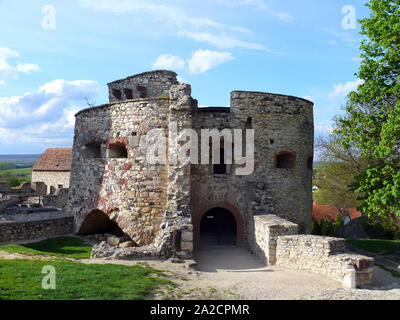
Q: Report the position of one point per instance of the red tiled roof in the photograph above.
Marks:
(331, 213)
(54, 160)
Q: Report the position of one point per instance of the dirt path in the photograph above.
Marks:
(233, 273)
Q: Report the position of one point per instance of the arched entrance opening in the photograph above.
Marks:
(218, 227)
(98, 222)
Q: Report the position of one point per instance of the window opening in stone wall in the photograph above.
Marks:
(285, 160)
(117, 151)
(128, 94)
(142, 91)
(221, 167)
(92, 150)
(117, 94)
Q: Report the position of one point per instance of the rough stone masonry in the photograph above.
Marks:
(166, 208)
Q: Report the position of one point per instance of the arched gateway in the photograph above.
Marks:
(218, 227)
(218, 223)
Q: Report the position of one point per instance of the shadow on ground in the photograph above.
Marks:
(227, 258)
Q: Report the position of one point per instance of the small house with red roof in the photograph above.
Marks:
(53, 168)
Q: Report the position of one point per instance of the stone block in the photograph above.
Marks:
(113, 240)
(186, 246)
(127, 244)
(187, 236)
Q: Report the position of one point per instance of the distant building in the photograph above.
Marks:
(53, 168)
(330, 213)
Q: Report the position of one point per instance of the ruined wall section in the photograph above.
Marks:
(132, 192)
(145, 85)
(52, 178)
(281, 124)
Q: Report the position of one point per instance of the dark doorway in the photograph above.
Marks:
(218, 227)
(98, 222)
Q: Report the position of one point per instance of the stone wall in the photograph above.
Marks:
(281, 123)
(23, 230)
(276, 241)
(58, 200)
(163, 204)
(267, 229)
(52, 178)
(323, 255)
(145, 85)
(131, 191)
(35, 192)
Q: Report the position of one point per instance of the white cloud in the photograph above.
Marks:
(224, 42)
(342, 90)
(259, 5)
(47, 114)
(170, 62)
(159, 12)
(8, 70)
(203, 60)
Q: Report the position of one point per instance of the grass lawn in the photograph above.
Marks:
(14, 177)
(62, 246)
(376, 246)
(22, 280)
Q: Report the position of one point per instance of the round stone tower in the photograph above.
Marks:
(281, 182)
(173, 206)
(109, 174)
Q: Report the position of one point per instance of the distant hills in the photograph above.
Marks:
(17, 161)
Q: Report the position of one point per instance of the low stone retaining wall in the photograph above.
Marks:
(22, 230)
(267, 229)
(276, 242)
(324, 255)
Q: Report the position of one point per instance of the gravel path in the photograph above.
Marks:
(233, 273)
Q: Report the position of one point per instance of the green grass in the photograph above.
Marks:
(14, 177)
(393, 272)
(21, 171)
(376, 246)
(62, 246)
(22, 280)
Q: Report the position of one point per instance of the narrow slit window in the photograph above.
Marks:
(221, 167)
(310, 164)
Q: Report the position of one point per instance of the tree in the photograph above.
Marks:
(372, 120)
(336, 172)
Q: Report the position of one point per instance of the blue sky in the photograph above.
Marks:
(56, 55)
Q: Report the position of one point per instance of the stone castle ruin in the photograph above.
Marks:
(171, 209)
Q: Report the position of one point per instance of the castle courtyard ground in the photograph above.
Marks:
(233, 273)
